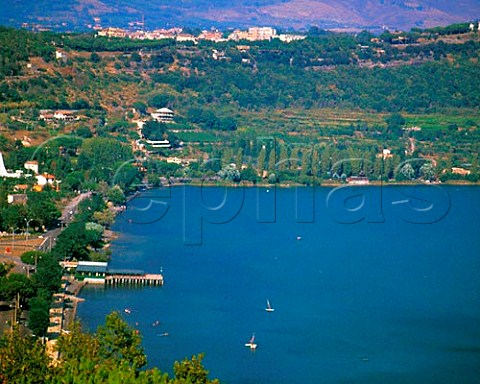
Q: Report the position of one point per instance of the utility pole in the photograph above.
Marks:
(27, 233)
(13, 238)
(17, 304)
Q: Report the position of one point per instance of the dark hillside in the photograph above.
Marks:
(345, 14)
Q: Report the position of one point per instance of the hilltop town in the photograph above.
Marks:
(252, 34)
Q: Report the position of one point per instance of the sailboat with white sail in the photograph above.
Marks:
(251, 343)
(269, 307)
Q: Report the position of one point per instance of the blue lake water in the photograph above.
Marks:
(369, 284)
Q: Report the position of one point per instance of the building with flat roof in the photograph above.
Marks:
(163, 115)
(99, 273)
(91, 271)
(358, 180)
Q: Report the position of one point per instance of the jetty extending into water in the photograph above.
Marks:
(134, 279)
(99, 273)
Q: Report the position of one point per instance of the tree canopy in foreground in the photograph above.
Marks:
(112, 355)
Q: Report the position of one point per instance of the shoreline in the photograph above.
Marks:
(328, 184)
(112, 235)
(71, 293)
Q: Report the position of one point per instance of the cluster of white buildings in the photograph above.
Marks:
(59, 115)
(157, 34)
(162, 115)
(42, 180)
(252, 34)
(31, 165)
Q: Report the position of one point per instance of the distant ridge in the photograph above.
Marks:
(296, 14)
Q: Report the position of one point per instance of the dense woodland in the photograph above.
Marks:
(400, 107)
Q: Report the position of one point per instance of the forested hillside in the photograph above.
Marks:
(326, 98)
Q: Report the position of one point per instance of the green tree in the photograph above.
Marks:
(101, 157)
(227, 124)
(119, 343)
(140, 106)
(74, 347)
(154, 130)
(261, 160)
(4, 269)
(113, 355)
(116, 195)
(474, 164)
(378, 167)
(161, 100)
(406, 172)
(88, 207)
(12, 217)
(249, 174)
(31, 257)
(283, 162)
(105, 217)
(72, 243)
(49, 273)
(272, 159)
(95, 57)
(192, 371)
(230, 173)
(83, 132)
(38, 317)
(42, 209)
(395, 122)
(16, 284)
(427, 171)
(22, 359)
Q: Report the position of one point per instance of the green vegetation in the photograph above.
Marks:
(112, 355)
(326, 98)
(402, 107)
(82, 239)
(34, 293)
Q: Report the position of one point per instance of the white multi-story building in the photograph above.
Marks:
(163, 115)
(261, 33)
(254, 34)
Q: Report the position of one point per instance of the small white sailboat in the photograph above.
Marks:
(269, 307)
(251, 343)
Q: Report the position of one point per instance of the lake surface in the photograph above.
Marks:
(369, 284)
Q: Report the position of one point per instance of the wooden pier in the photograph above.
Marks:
(99, 273)
(127, 279)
